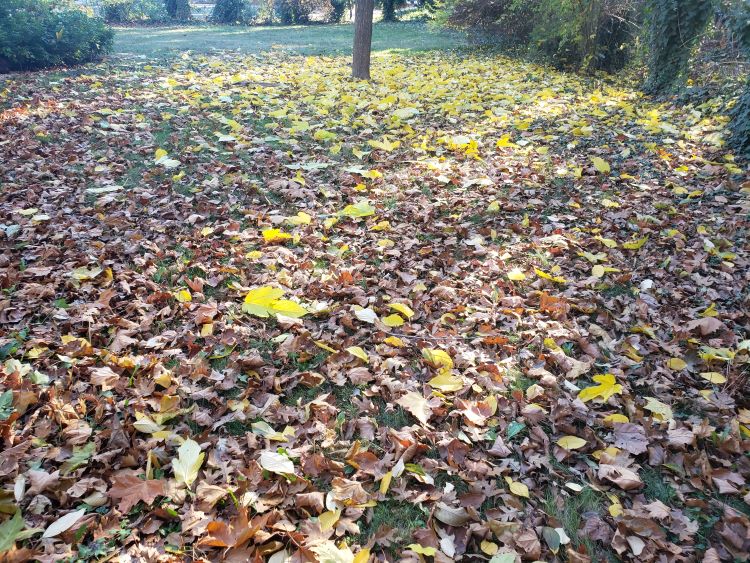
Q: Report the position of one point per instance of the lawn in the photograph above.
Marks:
(476, 306)
(304, 40)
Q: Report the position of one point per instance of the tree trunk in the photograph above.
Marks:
(362, 39)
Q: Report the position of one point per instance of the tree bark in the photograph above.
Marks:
(362, 39)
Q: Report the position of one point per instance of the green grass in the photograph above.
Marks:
(157, 42)
(567, 512)
(404, 517)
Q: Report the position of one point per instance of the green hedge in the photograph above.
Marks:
(34, 35)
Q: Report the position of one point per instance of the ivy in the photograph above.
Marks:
(675, 26)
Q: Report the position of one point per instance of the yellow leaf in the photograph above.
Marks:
(710, 311)
(385, 144)
(504, 141)
(610, 203)
(359, 209)
(662, 412)
(329, 518)
(517, 488)
(676, 364)
(516, 274)
(417, 548)
(608, 242)
(359, 353)
(607, 387)
(324, 346)
(601, 165)
(571, 442)
(446, 382)
(615, 509)
(488, 547)
(393, 320)
(188, 462)
(394, 341)
(159, 154)
(264, 301)
(546, 276)
(635, 244)
(183, 296)
(207, 329)
(301, 218)
(275, 235)
(382, 226)
(363, 556)
(405, 310)
(493, 207)
(439, 358)
(714, 377)
(598, 271)
(372, 175)
(386, 482)
(616, 418)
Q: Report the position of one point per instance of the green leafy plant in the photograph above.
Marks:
(33, 35)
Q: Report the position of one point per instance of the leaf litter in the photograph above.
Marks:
(473, 310)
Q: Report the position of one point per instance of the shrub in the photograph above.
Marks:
(178, 9)
(229, 11)
(588, 35)
(126, 11)
(674, 31)
(299, 12)
(33, 35)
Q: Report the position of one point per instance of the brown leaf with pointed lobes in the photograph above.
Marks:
(131, 489)
(236, 533)
(631, 437)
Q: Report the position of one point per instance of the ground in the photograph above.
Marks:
(475, 309)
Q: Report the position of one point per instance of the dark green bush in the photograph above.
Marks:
(178, 9)
(588, 35)
(229, 11)
(675, 27)
(33, 35)
(127, 11)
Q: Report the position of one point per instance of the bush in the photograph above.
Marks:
(229, 11)
(178, 9)
(33, 35)
(127, 11)
(588, 35)
(299, 12)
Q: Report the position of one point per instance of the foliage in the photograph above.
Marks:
(389, 10)
(229, 11)
(338, 10)
(675, 26)
(585, 34)
(178, 9)
(126, 11)
(34, 35)
(244, 298)
(739, 16)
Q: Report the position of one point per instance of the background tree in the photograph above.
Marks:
(389, 10)
(228, 11)
(178, 9)
(362, 39)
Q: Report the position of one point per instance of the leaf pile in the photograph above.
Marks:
(474, 310)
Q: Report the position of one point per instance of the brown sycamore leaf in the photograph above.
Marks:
(130, 489)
